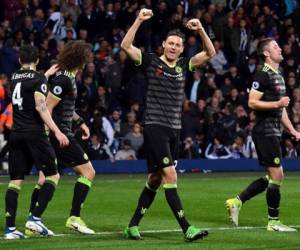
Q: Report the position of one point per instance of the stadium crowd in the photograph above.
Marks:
(217, 122)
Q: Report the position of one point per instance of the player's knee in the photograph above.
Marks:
(53, 178)
(170, 176)
(154, 181)
(89, 173)
(41, 180)
(277, 176)
(17, 183)
(170, 179)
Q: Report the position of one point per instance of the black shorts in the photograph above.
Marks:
(71, 155)
(26, 149)
(161, 146)
(268, 150)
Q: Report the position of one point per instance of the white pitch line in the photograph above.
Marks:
(175, 230)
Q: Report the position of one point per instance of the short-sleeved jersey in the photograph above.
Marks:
(272, 85)
(165, 90)
(25, 83)
(63, 87)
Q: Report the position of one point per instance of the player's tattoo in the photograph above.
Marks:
(41, 105)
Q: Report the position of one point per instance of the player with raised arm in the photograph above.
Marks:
(165, 94)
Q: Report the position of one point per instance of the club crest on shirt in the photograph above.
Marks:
(178, 69)
(276, 160)
(255, 85)
(166, 160)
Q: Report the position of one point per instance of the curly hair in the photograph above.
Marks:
(74, 55)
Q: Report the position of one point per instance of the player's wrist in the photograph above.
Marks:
(278, 104)
(79, 122)
(201, 29)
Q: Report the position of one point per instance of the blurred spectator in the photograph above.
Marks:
(113, 78)
(98, 150)
(127, 126)
(101, 125)
(8, 58)
(126, 152)
(87, 21)
(289, 149)
(71, 9)
(218, 62)
(228, 121)
(5, 128)
(192, 149)
(55, 23)
(242, 147)
(135, 137)
(217, 150)
(100, 99)
(194, 94)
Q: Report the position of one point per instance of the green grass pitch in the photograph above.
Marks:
(113, 198)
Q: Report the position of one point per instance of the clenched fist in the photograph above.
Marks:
(194, 24)
(284, 102)
(145, 14)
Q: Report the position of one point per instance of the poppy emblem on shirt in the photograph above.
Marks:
(255, 85)
(178, 69)
(158, 72)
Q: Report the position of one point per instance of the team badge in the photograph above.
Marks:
(178, 69)
(44, 88)
(277, 160)
(166, 160)
(255, 85)
(57, 90)
(85, 156)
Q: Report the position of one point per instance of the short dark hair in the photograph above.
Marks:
(28, 54)
(74, 55)
(261, 47)
(176, 32)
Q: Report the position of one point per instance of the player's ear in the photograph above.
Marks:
(163, 44)
(182, 48)
(266, 53)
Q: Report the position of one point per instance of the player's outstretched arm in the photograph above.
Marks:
(208, 48)
(41, 107)
(127, 44)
